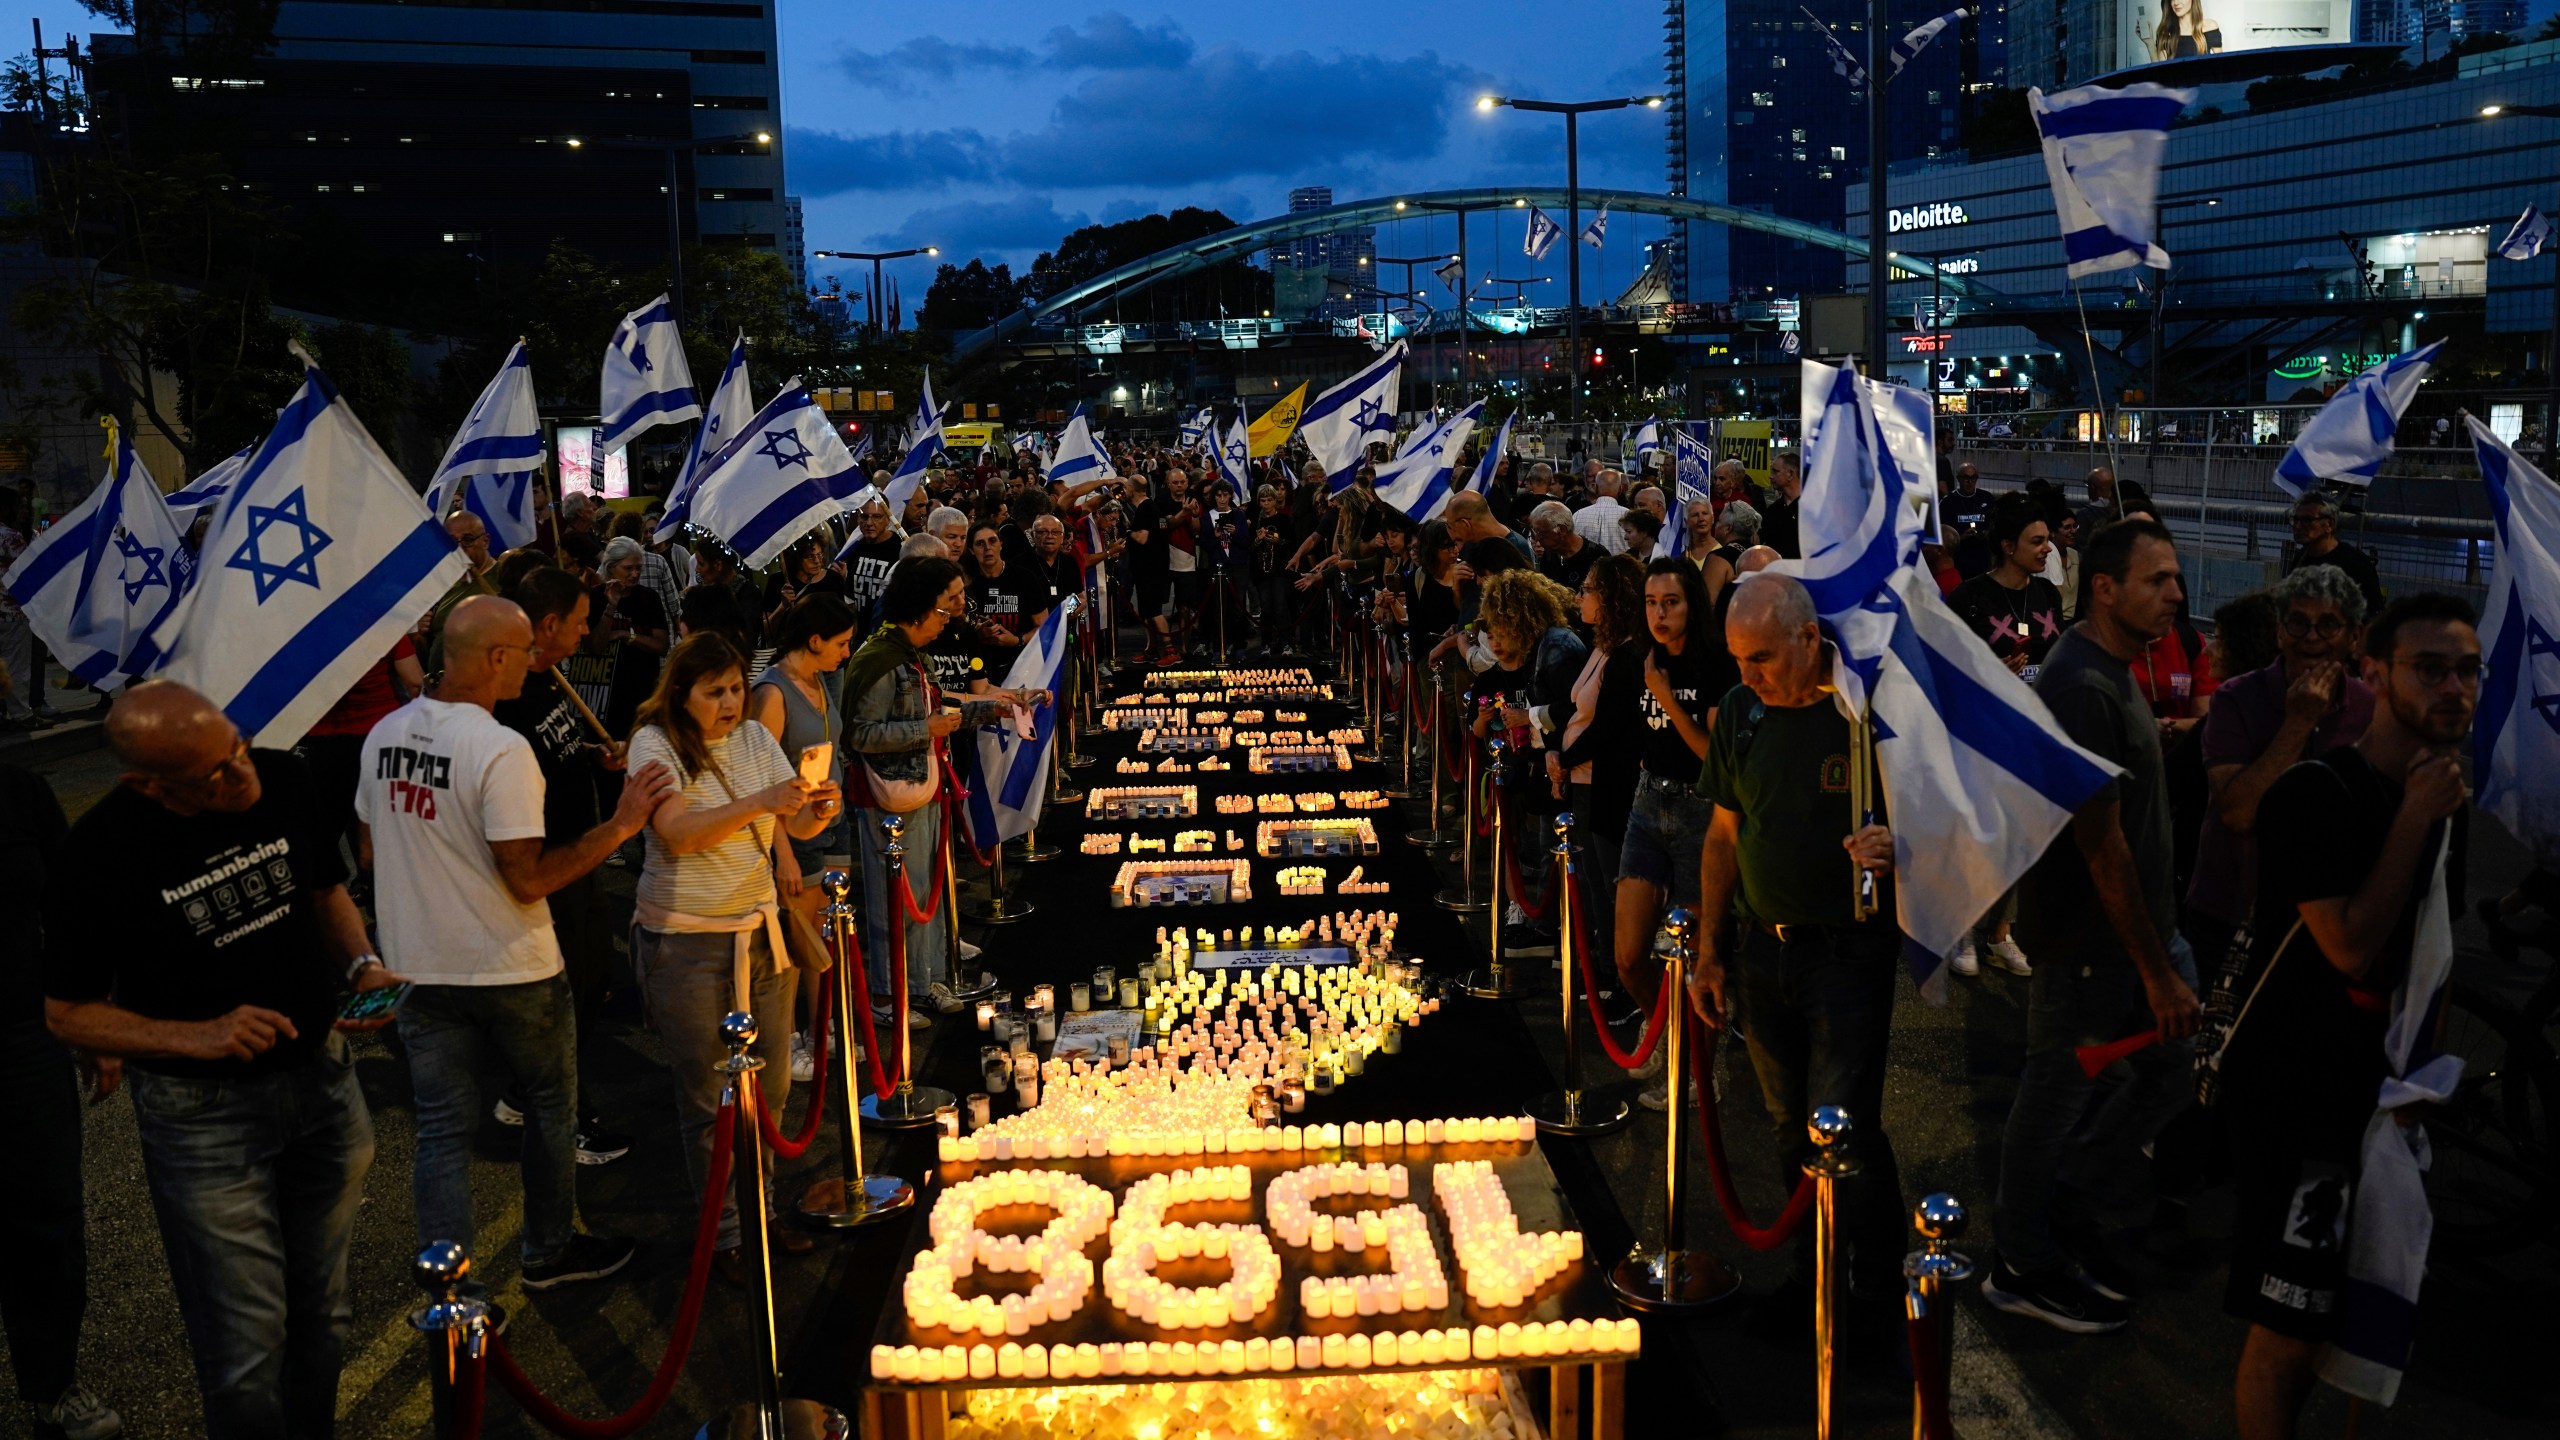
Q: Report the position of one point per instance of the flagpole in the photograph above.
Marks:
(1879, 155)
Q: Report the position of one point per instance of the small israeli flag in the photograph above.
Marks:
(1339, 424)
(208, 488)
(1543, 235)
(1599, 227)
(783, 474)
(2527, 236)
(1418, 482)
(1234, 456)
(495, 456)
(2102, 153)
(1202, 424)
(862, 447)
(733, 404)
(319, 560)
(1648, 439)
(1004, 799)
(2351, 436)
(924, 445)
(1843, 64)
(1079, 457)
(1453, 275)
(1482, 480)
(1916, 39)
(96, 583)
(646, 379)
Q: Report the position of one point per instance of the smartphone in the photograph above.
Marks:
(374, 1004)
(815, 761)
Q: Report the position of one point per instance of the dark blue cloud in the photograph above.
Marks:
(823, 163)
(908, 67)
(990, 228)
(1113, 41)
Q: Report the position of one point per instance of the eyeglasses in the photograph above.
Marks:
(2302, 627)
(2305, 521)
(232, 766)
(2434, 670)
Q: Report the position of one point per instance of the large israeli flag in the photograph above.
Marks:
(1418, 481)
(733, 404)
(319, 560)
(924, 446)
(207, 489)
(783, 474)
(2351, 436)
(647, 381)
(1340, 424)
(2515, 741)
(2102, 152)
(1978, 778)
(1482, 481)
(1013, 772)
(1235, 454)
(1079, 457)
(96, 583)
(495, 455)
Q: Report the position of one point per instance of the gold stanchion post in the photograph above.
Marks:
(1940, 1219)
(461, 1327)
(1572, 1110)
(858, 1197)
(1432, 837)
(1462, 898)
(768, 1416)
(1674, 1277)
(1830, 1164)
(913, 1105)
(1494, 981)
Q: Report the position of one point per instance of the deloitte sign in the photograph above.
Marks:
(1924, 217)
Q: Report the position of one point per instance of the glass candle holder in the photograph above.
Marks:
(1119, 1050)
(1044, 997)
(993, 1064)
(946, 1120)
(986, 1014)
(1003, 1002)
(1044, 1028)
(981, 1111)
(1104, 987)
(1129, 993)
(1018, 1041)
(1079, 997)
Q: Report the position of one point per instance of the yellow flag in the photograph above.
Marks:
(1277, 423)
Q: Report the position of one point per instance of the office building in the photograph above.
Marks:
(1310, 277)
(795, 242)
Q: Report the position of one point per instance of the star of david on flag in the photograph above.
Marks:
(320, 560)
(1542, 235)
(760, 493)
(1338, 425)
(95, 583)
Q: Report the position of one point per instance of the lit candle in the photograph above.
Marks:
(946, 1120)
(1080, 997)
(986, 1014)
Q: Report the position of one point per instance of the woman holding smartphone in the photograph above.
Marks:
(799, 699)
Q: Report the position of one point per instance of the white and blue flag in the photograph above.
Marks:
(783, 474)
(320, 559)
(1542, 235)
(924, 446)
(2351, 436)
(1977, 777)
(1079, 457)
(1199, 429)
(1235, 454)
(2527, 236)
(1843, 64)
(733, 404)
(1692, 478)
(1339, 425)
(2515, 740)
(647, 381)
(1916, 39)
(1025, 442)
(1596, 233)
(1013, 771)
(1482, 481)
(1418, 482)
(1648, 440)
(862, 447)
(2102, 152)
(207, 489)
(494, 456)
(97, 583)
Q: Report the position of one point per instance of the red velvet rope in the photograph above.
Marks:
(1653, 1024)
(880, 1082)
(955, 800)
(793, 1149)
(1517, 890)
(688, 1311)
(1484, 802)
(1929, 1376)
(1798, 1204)
(470, 1395)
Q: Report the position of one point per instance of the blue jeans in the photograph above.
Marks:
(525, 1038)
(1816, 1009)
(689, 981)
(1666, 833)
(927, 961)
(2066, 1130)
(256, 1182)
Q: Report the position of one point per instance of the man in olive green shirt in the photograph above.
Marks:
(1811, 987)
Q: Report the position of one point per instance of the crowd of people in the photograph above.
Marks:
(604, 698)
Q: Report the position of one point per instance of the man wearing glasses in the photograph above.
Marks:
(2316, 542)
(199, 929)
(2301, 707)
(471, 537)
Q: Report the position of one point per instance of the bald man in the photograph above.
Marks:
(1812, 985)
(199, 928)
(1597, 522)
(452, 808)
(1471, 523)
(471, 537)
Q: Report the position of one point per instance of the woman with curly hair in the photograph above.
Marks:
(1536, 656)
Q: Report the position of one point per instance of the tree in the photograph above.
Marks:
(970, 297)
(1230, 287)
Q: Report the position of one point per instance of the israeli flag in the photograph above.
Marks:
(1843, 64)
(1482, 481)
(1593, 233)
(1234, 456)
(1692, 478)
(646, 380)
(1013, 772)
(2351, 436)
(1542, 235)
(1648, 439)
(1339, 424)
(1977, 777)
(494, 456)
(207, 489)
(783, 474)
(733, 404)
(2527, 236)
(924, 445)
(1418, 481)
(2515, 739)
(2102, 152)
(97, 583)
(319, 560)
(1025, 442)
(1202, 425)
(1452, 275)
(862, 447)
(1917, 39)
(1079, 457)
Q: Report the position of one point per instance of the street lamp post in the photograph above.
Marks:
(1411, 297)
(1573, 111)
(876, 257)
(675, 209)
(2551, 355)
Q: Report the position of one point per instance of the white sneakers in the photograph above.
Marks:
(2004, 953)
(1964, 961)
(2010, 957)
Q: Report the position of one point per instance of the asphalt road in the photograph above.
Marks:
(591, 1347)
